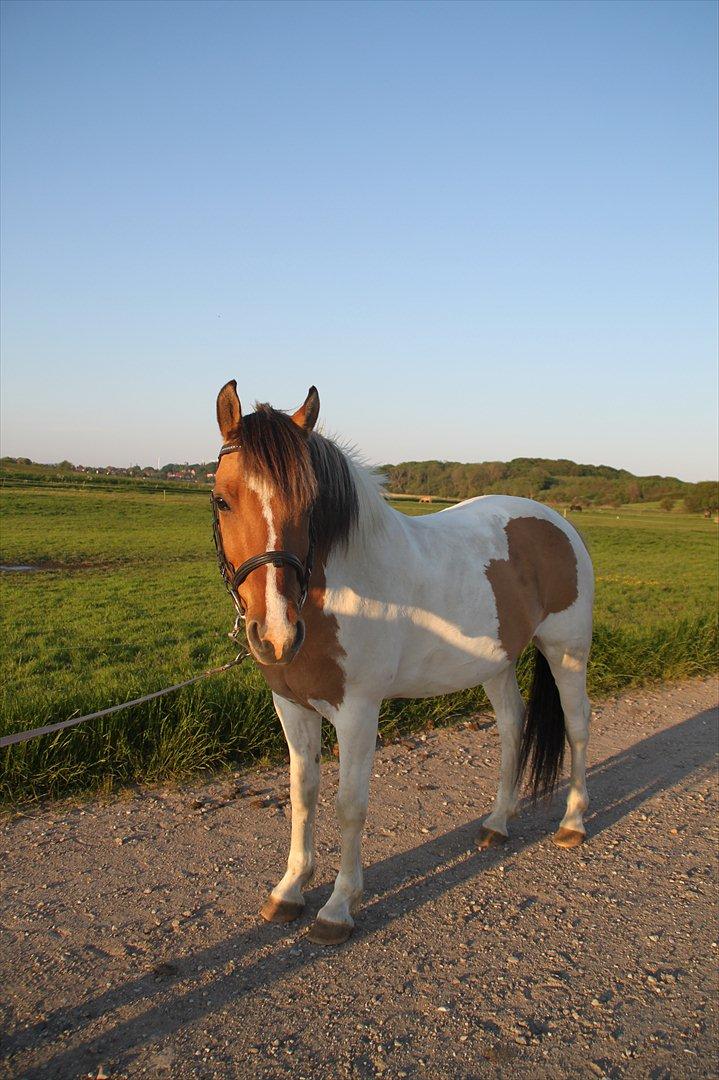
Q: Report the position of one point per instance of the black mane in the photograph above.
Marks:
(308, 472)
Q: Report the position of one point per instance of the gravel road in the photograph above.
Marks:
(131, 945)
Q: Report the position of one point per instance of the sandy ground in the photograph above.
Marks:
(131, 945)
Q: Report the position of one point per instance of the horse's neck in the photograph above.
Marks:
(380, 537)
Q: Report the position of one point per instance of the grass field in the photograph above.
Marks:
(131, 601)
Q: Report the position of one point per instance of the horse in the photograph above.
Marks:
(347, 601)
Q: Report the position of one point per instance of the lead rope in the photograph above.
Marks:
(230, 581)
(23, 736)
(243, 654)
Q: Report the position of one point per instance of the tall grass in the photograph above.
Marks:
(143, 607)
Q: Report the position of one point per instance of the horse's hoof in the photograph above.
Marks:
(324, 932)
(568, 838)
(490, 838)
(280, 911)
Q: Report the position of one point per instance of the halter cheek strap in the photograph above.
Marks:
(233, 578)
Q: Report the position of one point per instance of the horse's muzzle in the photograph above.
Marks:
(273, 653)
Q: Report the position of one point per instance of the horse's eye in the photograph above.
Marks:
(221, 504)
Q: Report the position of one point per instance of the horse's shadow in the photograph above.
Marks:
(394, 887)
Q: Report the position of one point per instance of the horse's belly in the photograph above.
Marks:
(423, 685)
(430, 671)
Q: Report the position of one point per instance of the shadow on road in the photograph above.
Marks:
(394, 888)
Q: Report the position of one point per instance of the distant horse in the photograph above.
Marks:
(347, 601)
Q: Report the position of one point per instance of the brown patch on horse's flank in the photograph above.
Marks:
(490, 838)
(323, 932)
(568, 838)
(280, 911)
(316, 672)
(538, 579)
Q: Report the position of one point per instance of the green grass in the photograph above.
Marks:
(133, 602)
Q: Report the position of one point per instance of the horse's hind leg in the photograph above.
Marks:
(508, 705)
(303, 728)
(569, 668)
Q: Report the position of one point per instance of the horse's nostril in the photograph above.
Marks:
(265, 650)
(253, 636)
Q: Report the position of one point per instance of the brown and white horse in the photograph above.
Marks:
(397, 606)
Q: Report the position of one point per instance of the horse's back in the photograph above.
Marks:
(534, 561)
(503, 515)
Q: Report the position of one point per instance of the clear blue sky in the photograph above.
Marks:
(483, 230)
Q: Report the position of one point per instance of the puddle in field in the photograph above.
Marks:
(17, 569)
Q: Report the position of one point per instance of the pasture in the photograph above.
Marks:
(129, 600)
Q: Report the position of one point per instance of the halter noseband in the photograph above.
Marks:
(233, 578)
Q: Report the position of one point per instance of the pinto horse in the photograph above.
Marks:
(347, 601)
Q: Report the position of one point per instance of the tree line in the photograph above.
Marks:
(559, 481)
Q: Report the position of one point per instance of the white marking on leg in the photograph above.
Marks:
(356, 727)
(508, 706)
(570, 674)
(303, 731)
(577, 725)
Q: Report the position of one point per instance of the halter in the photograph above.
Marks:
(233, 578)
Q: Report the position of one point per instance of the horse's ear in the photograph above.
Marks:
(229, 410)
(306, 415)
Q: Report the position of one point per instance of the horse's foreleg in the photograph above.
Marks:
(356, 727)
(302, 728)
(508, 706)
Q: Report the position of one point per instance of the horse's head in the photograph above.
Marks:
(264, 491)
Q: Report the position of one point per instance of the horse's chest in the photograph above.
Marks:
(317, 672)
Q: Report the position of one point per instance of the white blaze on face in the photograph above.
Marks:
(278, 628)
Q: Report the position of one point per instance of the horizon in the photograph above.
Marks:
(477, 250)
(371, 465)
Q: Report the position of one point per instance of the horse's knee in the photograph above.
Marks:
(350, 811)
(307, 791)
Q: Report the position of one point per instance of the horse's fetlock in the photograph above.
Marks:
(350, 887)
(301, 872)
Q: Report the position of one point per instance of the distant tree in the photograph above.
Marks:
(667, 503)
(702, 497)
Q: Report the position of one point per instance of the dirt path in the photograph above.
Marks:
(130, 939)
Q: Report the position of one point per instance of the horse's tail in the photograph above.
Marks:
(542, 746)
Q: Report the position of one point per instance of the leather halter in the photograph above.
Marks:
(233, 578)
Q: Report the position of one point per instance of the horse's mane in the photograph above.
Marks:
(306, 472)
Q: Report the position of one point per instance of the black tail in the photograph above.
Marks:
(542, 747)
